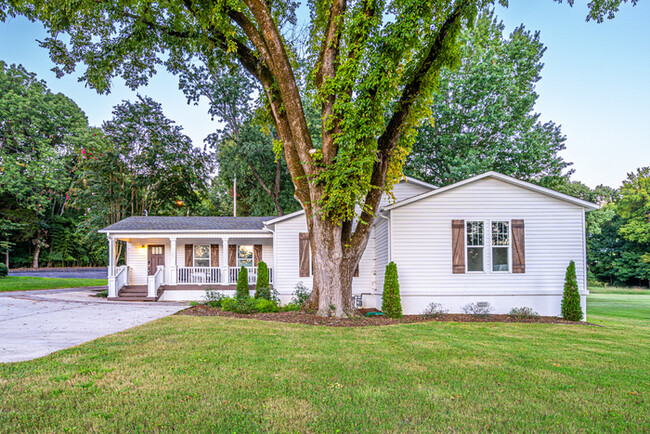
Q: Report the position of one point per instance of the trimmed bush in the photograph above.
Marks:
(300, 294)
(262, 284)
(391, 303)
(213, 298)
(242, 284)
(571, 309)
(4, 271)
(248, 305)
(483, 310)
(523, 312)
(434, 310)
(291, 307)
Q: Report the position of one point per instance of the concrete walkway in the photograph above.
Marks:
(36, 323)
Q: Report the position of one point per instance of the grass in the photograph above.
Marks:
(25, 283)
(230, 375)
(618, 290)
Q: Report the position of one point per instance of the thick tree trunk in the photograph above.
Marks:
(333, 269)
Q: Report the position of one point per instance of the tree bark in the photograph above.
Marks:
(37, 252)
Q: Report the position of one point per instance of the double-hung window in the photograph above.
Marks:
(475, 244)
(201, 255)
(500, 246)
(245, 256)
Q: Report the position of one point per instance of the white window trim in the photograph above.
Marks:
(194, 258)
(252, 251)
(467, 270)
(509, 270)
(487, 245)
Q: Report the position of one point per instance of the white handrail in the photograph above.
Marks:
(118, 279)
(233, 274)
(198, 275)
(155, 282)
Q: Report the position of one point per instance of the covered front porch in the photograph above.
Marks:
(182, 267)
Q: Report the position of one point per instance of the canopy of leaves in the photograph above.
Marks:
(483, 113)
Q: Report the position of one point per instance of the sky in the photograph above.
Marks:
(595, 84)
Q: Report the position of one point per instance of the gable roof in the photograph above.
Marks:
(501, 177)
(297, 213)
(194, 224)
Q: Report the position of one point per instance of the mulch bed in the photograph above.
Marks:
(311, 319)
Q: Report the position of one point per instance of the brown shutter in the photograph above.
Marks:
(257, 254)
(303, 254)
(458, 246)
(232, 255)
(189, 255)
(214, 255)
(518, 247)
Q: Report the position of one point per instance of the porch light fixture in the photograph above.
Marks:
(180, 203)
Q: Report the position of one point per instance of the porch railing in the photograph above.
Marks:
(233, 274)
(118, 280)
(198, 275)
(156, 281)
(215, 275)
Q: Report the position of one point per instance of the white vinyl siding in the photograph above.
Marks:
(554, 236)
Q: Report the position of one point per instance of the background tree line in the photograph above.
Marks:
(62, 179)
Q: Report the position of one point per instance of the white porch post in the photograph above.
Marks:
(225, 271)
(112, 287)
(174, 265)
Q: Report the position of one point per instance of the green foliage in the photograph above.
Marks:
(571, 309)
(300, 294)
(391, 303)
(523, 312)
(434, 310)
(213, 298)
(478, 309)
(634, 207)
(4, 271)
(262, 289)
(242, 284)
(249, 305)
(291, 307)
(483, 115)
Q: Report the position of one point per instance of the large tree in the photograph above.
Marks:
(39, 132)
(482, 114)
(372, 68)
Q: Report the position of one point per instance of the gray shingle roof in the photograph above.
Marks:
(187, 224)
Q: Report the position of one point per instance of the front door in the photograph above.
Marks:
(156, 257)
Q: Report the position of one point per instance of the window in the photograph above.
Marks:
(500, 246)
(201, 255)
(245, 256)
(156, 250)
(475, 246)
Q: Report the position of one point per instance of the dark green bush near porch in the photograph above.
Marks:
(248, 306)
(4, 271)
(391, 303)
(571, 309)
(242, 284)
(262, 289)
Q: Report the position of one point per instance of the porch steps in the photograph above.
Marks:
(135, 293)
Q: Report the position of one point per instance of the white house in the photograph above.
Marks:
(488, 239)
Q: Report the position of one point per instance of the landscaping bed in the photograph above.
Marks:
(311, 319)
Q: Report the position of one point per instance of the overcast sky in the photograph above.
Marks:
(595, 83)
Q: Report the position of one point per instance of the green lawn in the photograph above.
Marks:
(25, 283)
(618, 290)
(231, 375)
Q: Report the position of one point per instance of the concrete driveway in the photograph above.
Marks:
(36, 323)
